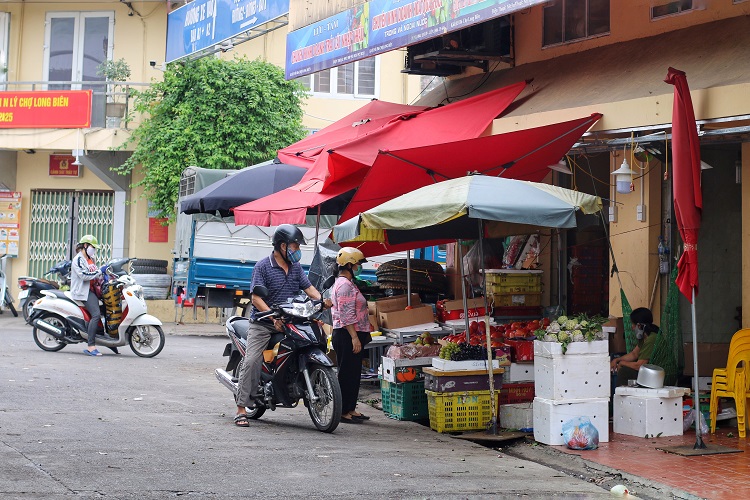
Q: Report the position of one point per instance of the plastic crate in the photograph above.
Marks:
(517, 299)
(515, 393)
(498, 288)
(459, 411)
(406, 401)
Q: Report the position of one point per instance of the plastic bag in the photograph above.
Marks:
(493, 251)
(580, 434)
(689, 419)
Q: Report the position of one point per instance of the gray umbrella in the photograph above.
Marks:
(248, 184)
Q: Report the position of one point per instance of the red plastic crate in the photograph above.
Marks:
(516, 393)
(521, 350)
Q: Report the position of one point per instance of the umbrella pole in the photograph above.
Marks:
(408, 278)
(463, 286)
(317, 230)
(699, 444)
(492, 429)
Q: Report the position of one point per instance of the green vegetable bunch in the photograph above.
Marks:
(565, 330)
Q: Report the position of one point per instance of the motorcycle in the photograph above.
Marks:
(59, 320)
(31, 288)
(295, 365)
(6, 299)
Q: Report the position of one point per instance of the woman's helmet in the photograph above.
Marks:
(90, 239)
(287, 233)
(350, 255)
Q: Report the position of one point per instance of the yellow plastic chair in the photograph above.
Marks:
(732, 382)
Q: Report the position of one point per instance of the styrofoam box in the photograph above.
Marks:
(516, 415)
(639, 416)
(389, 366)
(471, 364)
(549, 417)
(704, 383)
(581, 376)
(518, 372)
(554, 349)
(667, 391)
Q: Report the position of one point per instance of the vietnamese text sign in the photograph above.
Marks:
(63, 165)
(46, 109)
(200, 24)
(10, 213)
(157, 231)
(380, 26)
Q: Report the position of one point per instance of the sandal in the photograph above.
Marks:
(350, 420)
(360, 417)
(240, 420)
(95, 352)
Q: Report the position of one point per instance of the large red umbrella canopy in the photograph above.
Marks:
(686, 181)
(341, 166)
(522, 155)
(369, 117)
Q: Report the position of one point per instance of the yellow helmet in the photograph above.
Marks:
(90, 239)
(350, 255)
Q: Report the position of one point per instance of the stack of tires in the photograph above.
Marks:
(152, 275)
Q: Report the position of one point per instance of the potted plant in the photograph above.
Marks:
(115, 71)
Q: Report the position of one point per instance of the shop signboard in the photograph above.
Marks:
(45, 109)
(380, 26)
(10, 213)
(201, 24)
(63, 166)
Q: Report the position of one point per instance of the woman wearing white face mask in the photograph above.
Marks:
(627, 366)
(84, 277)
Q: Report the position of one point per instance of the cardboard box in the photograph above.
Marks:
(419, 315)
(454, 309)
(388, 304)
(616, 330)
(710, 356)
(373, 322)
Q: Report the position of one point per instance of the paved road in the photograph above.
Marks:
(125, 427)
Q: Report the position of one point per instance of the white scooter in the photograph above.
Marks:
(59, 320)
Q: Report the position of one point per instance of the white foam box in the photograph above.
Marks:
(471, 364)
(572, 376)
(516, 415)
(550, 415)
(554, 349)
(518, 372)
(391, 366)
(653, 416)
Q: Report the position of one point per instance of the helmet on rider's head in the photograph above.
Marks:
(350, 255)
(90, 239)
(287, 233)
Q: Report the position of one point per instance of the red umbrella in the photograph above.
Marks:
(686, 181)
(688, 204)
(341, 166)
(369, 117)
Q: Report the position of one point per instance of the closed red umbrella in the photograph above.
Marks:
(686, 181)
(688, 204)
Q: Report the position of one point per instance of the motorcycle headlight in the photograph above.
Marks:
(301, 309)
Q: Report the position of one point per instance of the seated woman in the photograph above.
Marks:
(627, 366)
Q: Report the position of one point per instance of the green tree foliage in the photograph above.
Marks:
(211, 113)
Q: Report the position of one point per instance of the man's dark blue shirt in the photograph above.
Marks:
(281, 285)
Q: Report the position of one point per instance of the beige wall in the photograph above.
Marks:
(138, 234)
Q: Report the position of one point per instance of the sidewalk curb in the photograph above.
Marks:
(602, 475)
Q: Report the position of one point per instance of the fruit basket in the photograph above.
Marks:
(459, 411)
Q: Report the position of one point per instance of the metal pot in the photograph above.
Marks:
(651, 376)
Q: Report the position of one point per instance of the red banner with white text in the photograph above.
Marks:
(46, 109)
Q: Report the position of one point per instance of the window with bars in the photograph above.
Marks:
(667, 8)
(571, 20)
(357, 79)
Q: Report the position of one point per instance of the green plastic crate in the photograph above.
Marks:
(406, 401)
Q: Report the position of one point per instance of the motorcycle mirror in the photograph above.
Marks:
(260, 291)
(328, 283)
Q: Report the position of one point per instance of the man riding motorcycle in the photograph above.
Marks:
(283, 276)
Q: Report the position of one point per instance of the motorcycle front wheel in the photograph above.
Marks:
(326, 411)
(28, 306)
(44, 340)
(146, 340)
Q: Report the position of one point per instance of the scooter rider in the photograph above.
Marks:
(284, 277)
(83, 276)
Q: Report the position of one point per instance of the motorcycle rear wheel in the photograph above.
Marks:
(146, 340)
(44, 340)
(326, 412)
(28, 306)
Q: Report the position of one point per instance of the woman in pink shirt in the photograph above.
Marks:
(351, 330)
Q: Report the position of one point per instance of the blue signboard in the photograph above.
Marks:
(380, 26)
(202, 24)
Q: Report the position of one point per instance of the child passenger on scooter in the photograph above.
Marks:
(85, 276)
